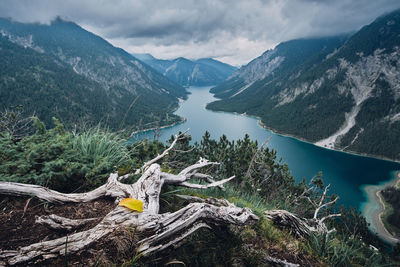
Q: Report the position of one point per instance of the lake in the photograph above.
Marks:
(345, 172)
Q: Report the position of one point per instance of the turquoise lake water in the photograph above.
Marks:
(345, 172)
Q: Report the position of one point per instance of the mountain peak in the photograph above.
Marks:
(143, 57)
(201, 72)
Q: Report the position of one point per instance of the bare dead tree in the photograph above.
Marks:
(13, 122)
(302, 227)
(255, 160)
(167, 230)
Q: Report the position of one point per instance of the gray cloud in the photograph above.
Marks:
(232, 30)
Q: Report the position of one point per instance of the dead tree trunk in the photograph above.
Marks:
(167, 229)
(303, 227)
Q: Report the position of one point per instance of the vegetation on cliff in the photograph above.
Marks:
(78, 161)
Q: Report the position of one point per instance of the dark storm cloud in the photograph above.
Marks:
(235, 31)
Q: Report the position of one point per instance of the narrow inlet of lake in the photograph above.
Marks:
(346, 173)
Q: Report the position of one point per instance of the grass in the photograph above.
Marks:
(233, 194)
(255, 202)
(339, 250)
(100, 146)
(263, 236)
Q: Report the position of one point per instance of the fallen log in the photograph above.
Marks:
(166, 230)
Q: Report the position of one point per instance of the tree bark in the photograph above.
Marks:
(167, 229)
(303, 227)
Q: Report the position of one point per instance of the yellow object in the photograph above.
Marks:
(132, 204)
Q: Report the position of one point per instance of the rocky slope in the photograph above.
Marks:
(63, 70)
(201, 72)
(341, 95)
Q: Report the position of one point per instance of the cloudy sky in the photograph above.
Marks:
(232, 31)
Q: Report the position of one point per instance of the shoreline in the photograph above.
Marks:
(261, 124)
(375, 207)
(372, 208)
(333, 149)
(180, 100)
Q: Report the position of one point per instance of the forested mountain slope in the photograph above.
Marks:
(201, 72)
(64, 70)
(338, 95)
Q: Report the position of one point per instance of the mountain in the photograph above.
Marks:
(337, 93)
(65, 71)
(201, 72)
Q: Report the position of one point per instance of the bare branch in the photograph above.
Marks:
(184, 151)
(188, 173)
(205, 177)
(254, 158)
(18, 189)
(190, 198)
(200, 164)
(300, 226)
(210, 200)
(196, 215)
(168, 229)
(13, 122)
(312, 202)
(303, 195)
(112, 188)
(123, 177)
(201, 186)
(324, 205)
(154, 160)
(324, 195)
(330, 216)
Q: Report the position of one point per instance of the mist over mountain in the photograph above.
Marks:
(336, 92)
(62, 70)
(109, 174)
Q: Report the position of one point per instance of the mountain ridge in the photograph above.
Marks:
(342, 99)
(186, 72)
(121, 79)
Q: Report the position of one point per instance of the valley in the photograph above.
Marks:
(347, 173)
(339, 92)
(200, 134)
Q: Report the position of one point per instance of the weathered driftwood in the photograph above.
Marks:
(167, 230)
(61, 223)
(278, 262)
(302, 227)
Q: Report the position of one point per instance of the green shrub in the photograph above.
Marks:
(60, 159)
(343, 250)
